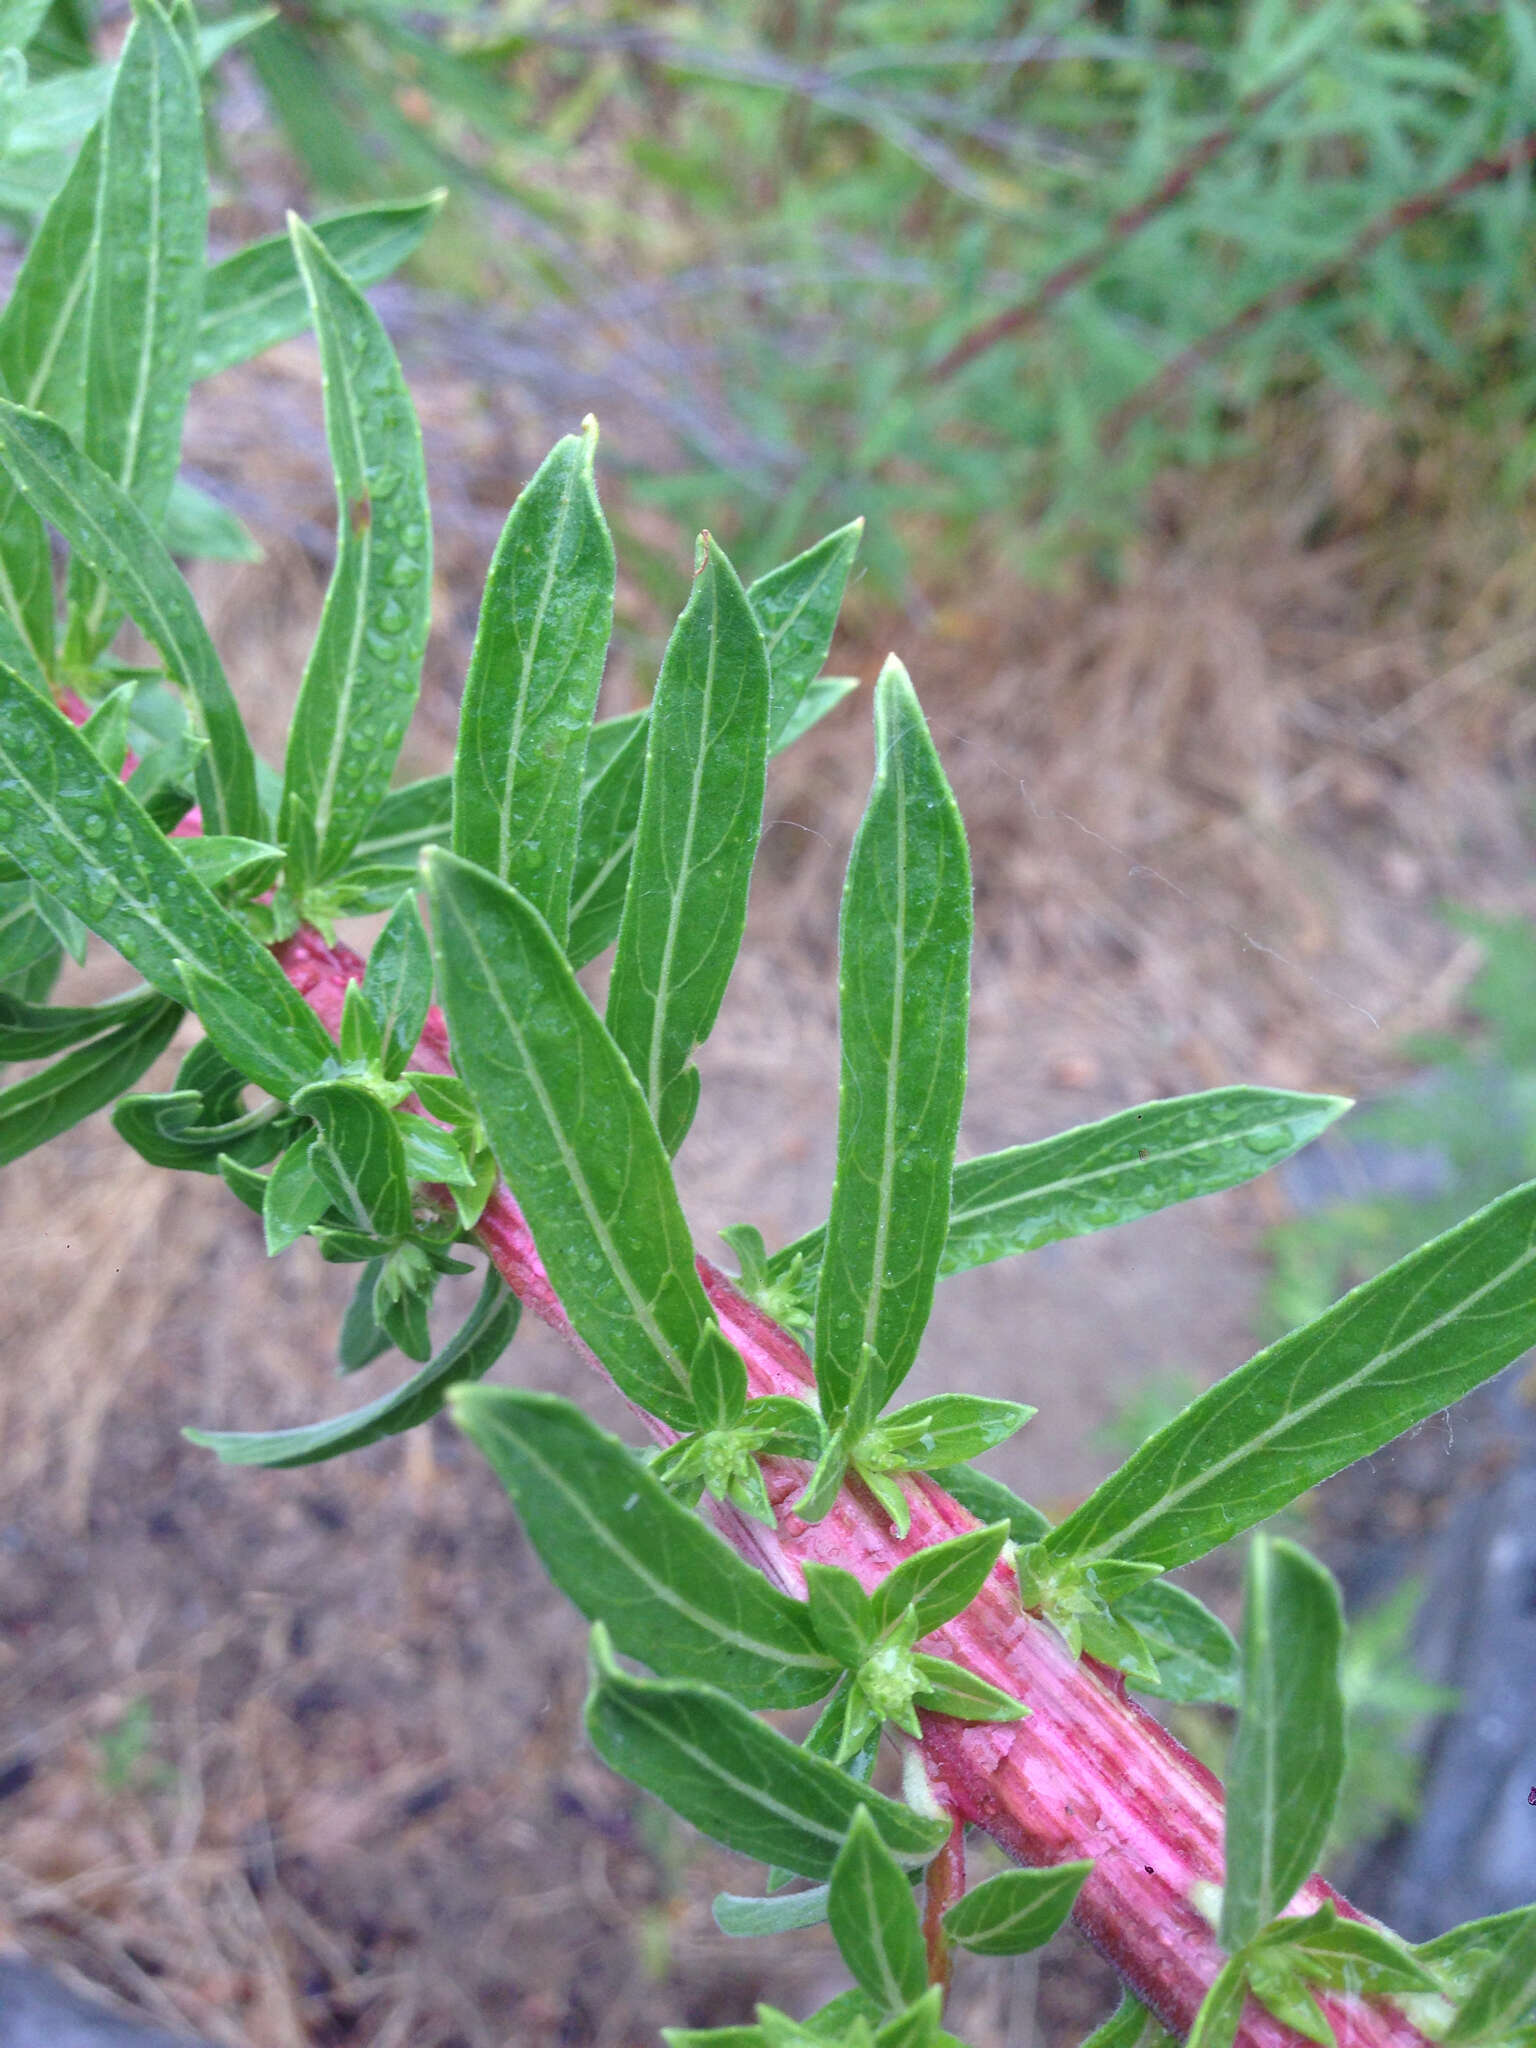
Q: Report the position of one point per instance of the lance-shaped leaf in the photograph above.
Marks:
(146, 295)
(1221, 2010)
(35, 1031)
(146, 288)
(85, 1080)
(1396, 1350)
(359, 1156)
(990, 1501)
(570, 1130)
(700, 815)
(364, 671)
(1504, 1992)
(42, 366)
(406, 823)
(105, 528)
(1016, 1910)
(468, 1355)
(797, 605)
(735, 1778)
(874, 1919)
(631, 1556)
(940, 1580)
(256, 297)
(736, 1913)
(398, 984)
(204, 1115)
(947, 1429)
(1125, 1166)
(198, 526)
(610, 816)
(80, 834)
(533, 681)
(1288, 1758)
(904, 993)
(1195, 1655)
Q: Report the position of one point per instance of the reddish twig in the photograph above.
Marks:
(1016, 319)
(1298, 291)
(1087, 1775)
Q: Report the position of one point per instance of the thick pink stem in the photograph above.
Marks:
(1088, 1775)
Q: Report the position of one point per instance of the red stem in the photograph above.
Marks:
(1088, 1775)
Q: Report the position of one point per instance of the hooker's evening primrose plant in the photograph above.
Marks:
(848, 1555)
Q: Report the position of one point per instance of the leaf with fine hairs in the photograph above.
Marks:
(874, 1919)
(701, 812)
(796, 606)
(735, 1778)
(1125, 1166)
(105, 528)
(256, 297)
(85, 1080)
(533, 681)
(468, 1355)
(146, 288)
(78, 833)
(571, 1131)
(364, 671)
(1400, 1348)
(629, 1554)
(1287, 1759)
(1015, 1911)
(904, 995)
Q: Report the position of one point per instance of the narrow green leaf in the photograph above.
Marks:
(1015, 1911)
(796, 606)
(737, 1914)
(358, 1155)
(360, 684)
(950, 1689)
(362, 1340)
(1505, 1990)
(1347, 1955)
(824, 695)
(734, 1777)
(610, 817)
(918, 2026)
(840, 1613)
(1123, 1167)
(256, 297)
(216, 859)
(80, 834)
(1288, 1757)
(1400, 1348)
(990, 1501)
(39, 1108)
(904, 991)
(106, 529)
(629, 1555)
(293, 1196)
(198, 527)
(874, 1919)
(35, 1031)
(146, 295)
(701, 812)
(949, 1429)
(570, 1129)
(1195, 1655)
(941, 1580)
(406, 823)
(468, 1355)
(147, 286)
(26, 943)
(397, 986)
(1460, 1955)
(204, 1115)
(1221, 2010)
(533, 681)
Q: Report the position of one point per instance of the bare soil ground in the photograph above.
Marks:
(296, 1758)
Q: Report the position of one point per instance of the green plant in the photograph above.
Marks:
(1465, 1129)
(851, 1555)
(981, 260)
